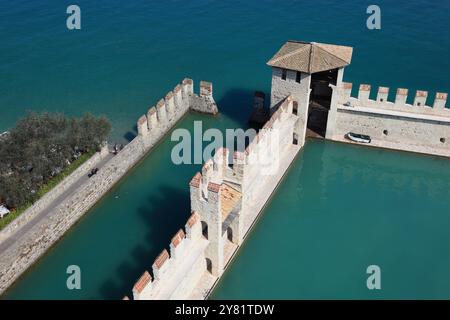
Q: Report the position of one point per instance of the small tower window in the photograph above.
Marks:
(298, 77)
(283, 74)
(385, 132)
(442, 140)
(295, 108)
(205, 229)
(295, 139)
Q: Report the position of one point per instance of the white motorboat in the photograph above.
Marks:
(360, 138)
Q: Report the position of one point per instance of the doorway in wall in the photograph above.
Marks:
(320, 101)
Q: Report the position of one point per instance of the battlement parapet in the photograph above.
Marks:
(204, 102)
(419, 104)
(174, 105)
(166, 265)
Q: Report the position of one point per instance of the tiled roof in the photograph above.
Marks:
(311, 57)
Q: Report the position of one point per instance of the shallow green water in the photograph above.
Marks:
(343, 208)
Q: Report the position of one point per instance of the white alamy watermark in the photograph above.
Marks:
(73, 282)
(73, 21)
(374, 280)
(263, 150)
(374, 20)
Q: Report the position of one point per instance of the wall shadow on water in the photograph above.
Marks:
(237, 104)
(129, 136)
(164, 214)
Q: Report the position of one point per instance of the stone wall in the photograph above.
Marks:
(289, 87)
(397, 125)
(151, 128)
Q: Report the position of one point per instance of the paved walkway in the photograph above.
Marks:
(50, 210)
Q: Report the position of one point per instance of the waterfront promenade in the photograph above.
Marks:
(23, 231)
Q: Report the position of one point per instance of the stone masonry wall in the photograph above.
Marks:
(397, 125)
(151, 128)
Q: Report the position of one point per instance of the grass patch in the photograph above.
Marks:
(46, 188)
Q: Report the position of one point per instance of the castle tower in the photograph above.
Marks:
(206, 201)
(306, 71)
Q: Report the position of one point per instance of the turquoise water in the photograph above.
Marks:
(341, 209)
(129, 54)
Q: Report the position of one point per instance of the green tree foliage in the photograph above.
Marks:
(42, 145)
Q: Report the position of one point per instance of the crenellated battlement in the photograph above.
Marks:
(421, 126)
(174, 105)
(168, 264)
(420, 103)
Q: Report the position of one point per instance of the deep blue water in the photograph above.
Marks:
(130, 54)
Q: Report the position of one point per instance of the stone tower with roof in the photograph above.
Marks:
(305, 70)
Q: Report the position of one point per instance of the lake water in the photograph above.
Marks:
(340, 209)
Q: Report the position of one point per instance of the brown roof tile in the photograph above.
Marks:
(195, 181)
(177, 238)
(213, 187)
(145, 279)
(193, 219)
(402, 92)
(364, 87)
(169, 95)
(441, 95)
(161, 259)
(142, 119)
(160, 103)
(347, 85)
(311, 57)
(383, 90)
(421, 93)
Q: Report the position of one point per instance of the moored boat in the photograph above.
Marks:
(360, 138)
